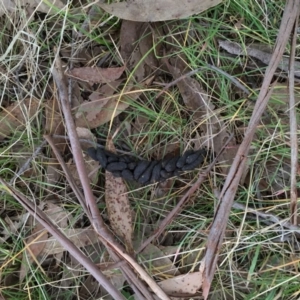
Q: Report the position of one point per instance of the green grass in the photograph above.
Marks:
(253, 263)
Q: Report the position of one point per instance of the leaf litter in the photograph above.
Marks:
(106, 101)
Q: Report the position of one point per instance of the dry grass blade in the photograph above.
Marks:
(227, 196)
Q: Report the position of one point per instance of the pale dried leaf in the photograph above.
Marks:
(16, 116)
(57, 214)
(52, 174)
(160, 264)
(110, 110)
(53, 6)
(118, 207)
(96, 74)
(80, 237)
(90, 109)
(157, 10)
(85, 133)
(182, 284)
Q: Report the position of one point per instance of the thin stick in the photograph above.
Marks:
(293, 128)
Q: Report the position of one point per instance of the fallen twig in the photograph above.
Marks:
(293, 128)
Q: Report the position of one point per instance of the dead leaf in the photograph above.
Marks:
(157, 10)
(159, 263)
(52, 173)
(16, 116)
(129, 35)
(85, 133)
(182, 284)
(98, 99)
(96, 74)
(118, 206)
(79, 237)
(109, 111)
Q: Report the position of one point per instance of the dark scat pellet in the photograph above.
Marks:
(140, 168)
(194, 164)
(156, 173)
(192, 157)
(145, 177)
(164, 174)
(125, 158)
(92, 152)
(127, 175)
(171, 165)
(145, 172)
(131, 165)
(102, 157)
(116, 166)
(165, 161)
(112, 158)
(181, 161)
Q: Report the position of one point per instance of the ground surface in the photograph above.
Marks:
(153, 90)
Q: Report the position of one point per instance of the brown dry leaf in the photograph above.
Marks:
(182, 284)
(36, 243)
(96, 74)
(110, 110)
(89, 109)
(59, 216)
(80, 237)
(160, 264)
(52, 174)
(16, 116)
(136, 40)
(91, 167)
(118, 206)
(85, 133)
(129, 35)
(157, 10)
